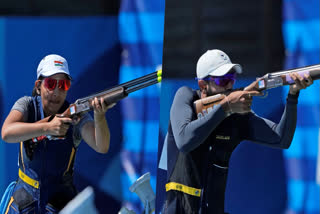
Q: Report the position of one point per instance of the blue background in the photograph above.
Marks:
(141, 25)
(301, 30)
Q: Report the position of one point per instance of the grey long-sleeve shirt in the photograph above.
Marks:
(189, 132)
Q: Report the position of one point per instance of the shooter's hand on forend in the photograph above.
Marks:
(58, 126)
(100, 107)
(300, 82)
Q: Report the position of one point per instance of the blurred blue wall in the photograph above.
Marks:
(141, 26)
(301, 30)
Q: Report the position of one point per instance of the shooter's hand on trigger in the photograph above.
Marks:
(239, 101)
(300, 82)
(58, 126)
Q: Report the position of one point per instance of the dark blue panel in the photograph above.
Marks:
(297, 10)
(256, 181)
(308, 115)
(144, 108)
(301, 169)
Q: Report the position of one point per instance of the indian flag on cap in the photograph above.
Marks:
(58, 63)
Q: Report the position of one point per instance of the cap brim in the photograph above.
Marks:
(53, 72)
(224, 69)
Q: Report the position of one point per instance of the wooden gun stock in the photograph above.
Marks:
(203, 106)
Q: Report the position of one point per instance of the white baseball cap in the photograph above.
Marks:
(53, 64)
(215, 63)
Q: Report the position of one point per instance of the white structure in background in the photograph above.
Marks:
(143, 189)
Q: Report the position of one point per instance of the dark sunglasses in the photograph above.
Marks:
(51, 84)
(221, 80)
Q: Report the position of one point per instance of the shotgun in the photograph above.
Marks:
(112, 95)
(268, 81)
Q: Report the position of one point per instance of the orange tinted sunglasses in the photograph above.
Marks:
(51, 84)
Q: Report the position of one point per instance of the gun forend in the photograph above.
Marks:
(114, 95)
(84, 104)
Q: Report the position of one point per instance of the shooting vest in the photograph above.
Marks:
(45, 181)
(196, 180)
